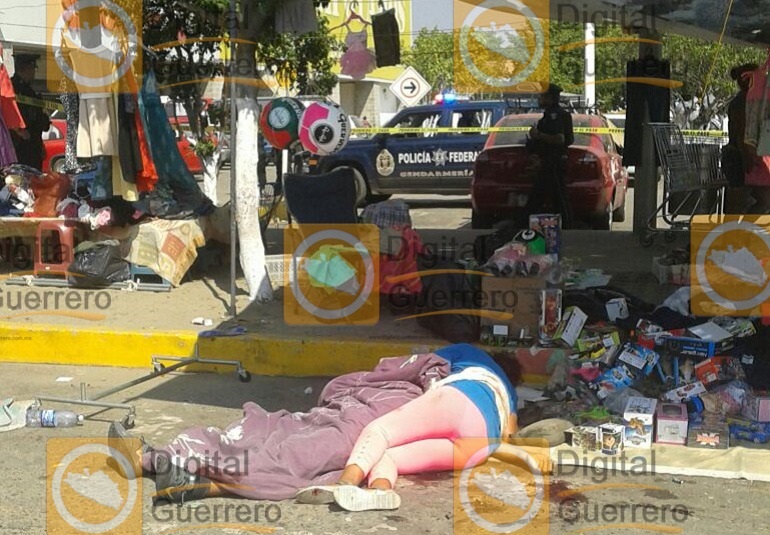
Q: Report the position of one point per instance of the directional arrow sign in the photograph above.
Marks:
(410, 87)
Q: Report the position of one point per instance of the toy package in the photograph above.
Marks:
(683, 393)
(612, 380)
(639, 418)
(719, 369)
(583, 436)
(571, 326)
(708, 431)
(671, 424)
(549, 225)
(756, 407)
(639, 359)
(611, 438)
(550, 315)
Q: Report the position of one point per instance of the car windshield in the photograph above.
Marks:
(519, 137)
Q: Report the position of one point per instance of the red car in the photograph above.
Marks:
(55, 143)
(595, 176)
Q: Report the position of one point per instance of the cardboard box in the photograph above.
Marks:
(583, 436)
(709, 432)
(671, 423)
(549, 225)
(550, 314)
(718, 369)
(611, 436)
(570, 327)
(737, 327)
(696, 347)
(757, 407)
(617, 309)
(640, 360)
(639, 419)
(678, 274)
(683, 393)
(612, 380)
(518, 296)
(593, 338)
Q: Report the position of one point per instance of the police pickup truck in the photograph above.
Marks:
(417, 161)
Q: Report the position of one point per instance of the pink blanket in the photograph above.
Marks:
(270, 456)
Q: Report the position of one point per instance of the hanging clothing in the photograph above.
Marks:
(8, 107)
(71, 103)
(387, 42)
(7, 151)
(147, 175)
(296, 17)
(97, 126)
(172, 171)
(30, 151)
(358, 60)
(128, 138)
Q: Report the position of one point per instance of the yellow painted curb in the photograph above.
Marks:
(260, 354)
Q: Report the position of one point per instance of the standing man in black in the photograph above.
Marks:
(29, 142)
(549, 140)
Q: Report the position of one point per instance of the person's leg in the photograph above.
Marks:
(539, 191)
(561, 198)
(444, 413)
(431, 455)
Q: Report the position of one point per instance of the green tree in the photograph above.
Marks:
(432, 56)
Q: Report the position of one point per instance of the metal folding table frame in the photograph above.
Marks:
(159, 369)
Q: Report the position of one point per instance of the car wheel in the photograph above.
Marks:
(479, 221)
(603, 221)
(58, 165)
(619, 215)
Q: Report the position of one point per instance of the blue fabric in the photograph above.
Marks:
(463, 356)
(160, 138)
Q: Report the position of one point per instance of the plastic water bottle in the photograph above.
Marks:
(53, 418)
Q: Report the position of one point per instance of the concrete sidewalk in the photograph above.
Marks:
(139, 325)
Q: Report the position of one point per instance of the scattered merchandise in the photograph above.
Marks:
(673, 268)
(612, 380)
(550, 315)
(671, 424)
(617, 309)
(757, 407)
(570, 327)
(683, 393)
(640, 359)
(549, 225)
(639, 416)
(611, 436)
(708, 431)
(584, 437)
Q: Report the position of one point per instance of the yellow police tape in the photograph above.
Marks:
(496, 129)
(39, 103)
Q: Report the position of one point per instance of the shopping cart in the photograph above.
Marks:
(692, 180)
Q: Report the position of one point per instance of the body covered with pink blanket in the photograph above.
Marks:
(270, 456)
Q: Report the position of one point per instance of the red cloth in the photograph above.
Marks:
(759, 174)
(147, 178)
(8, 107)
(404, 263)
(49, 190)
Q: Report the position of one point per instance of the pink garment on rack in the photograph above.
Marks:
(358, 60)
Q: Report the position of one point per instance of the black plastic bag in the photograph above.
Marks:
(98, 266)
(446, 292)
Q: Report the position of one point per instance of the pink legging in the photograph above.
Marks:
(422, 436)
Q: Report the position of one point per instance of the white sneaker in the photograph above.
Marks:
(316, 495)
(355, 499)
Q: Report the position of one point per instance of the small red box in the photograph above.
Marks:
(671, 424)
